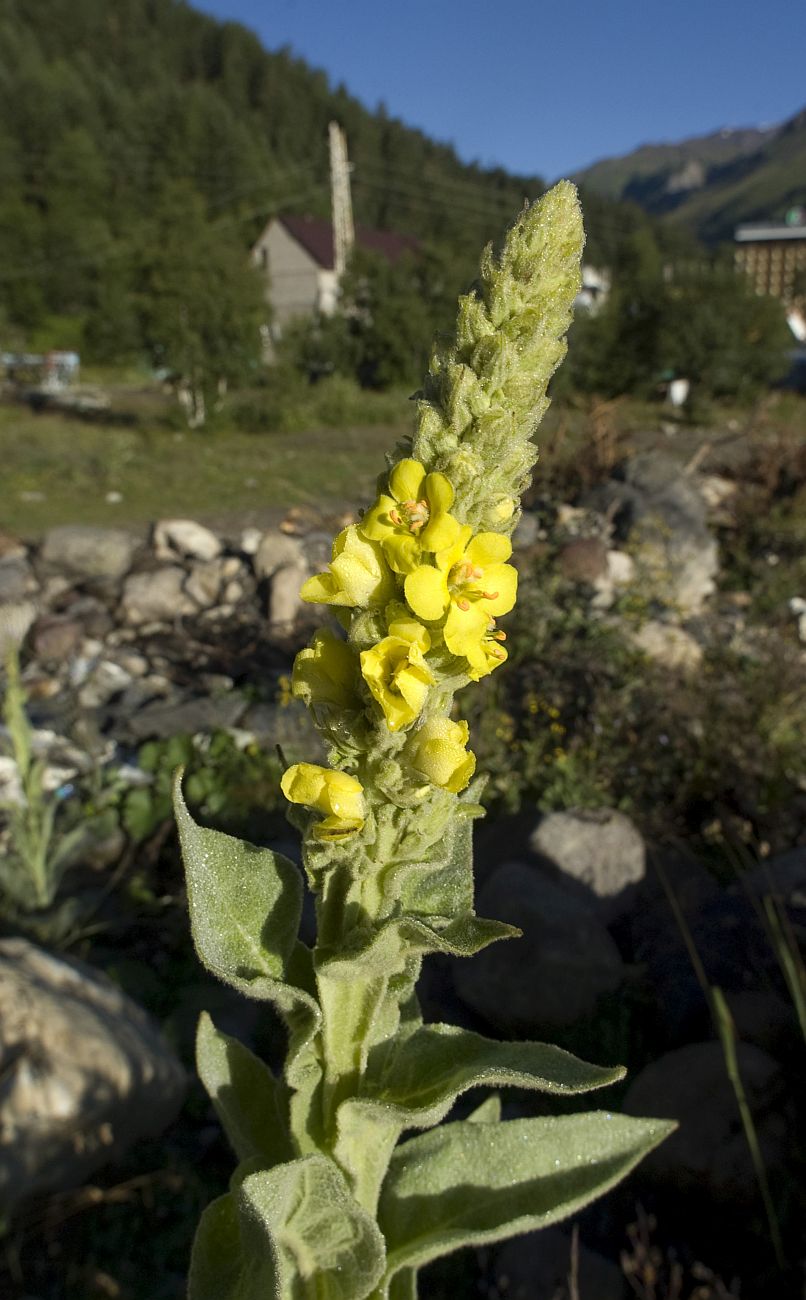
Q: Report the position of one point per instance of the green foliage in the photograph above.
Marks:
(582, 718)
(224, 782)
(692, 317)
(31, 871)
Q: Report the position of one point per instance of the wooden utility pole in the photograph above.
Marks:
(340, 199)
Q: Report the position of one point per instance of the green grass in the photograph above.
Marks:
(59, 470)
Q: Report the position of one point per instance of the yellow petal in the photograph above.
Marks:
(488, 548)
(321, 589)
(453, 553)
(438, 492)
(501, 579)
(441, 531)
(408, 629)
(427, 592)
(406, 480)
(303, 783)
(376, 523)
(464, 629)
(403, 552)
(333, 829)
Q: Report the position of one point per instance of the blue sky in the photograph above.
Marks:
(549, 87)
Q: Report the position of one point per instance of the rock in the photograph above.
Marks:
(318, 550)
(16, 579)
(55, 639)
(85, 1073)
(551, 977)
(277, 551)
(584, 560)
(709, 1152)
(92, 614)
(11, 548)
(783, 875)
(88, 552)
(663, 515)
(16, 621)
(156, 597)
(204, 584)
(600, 848)
(527, 531)
(106, 680)
(184, 537)
(715, 490)
(285, 603)
(670, 646)
(162, 720)
(288, 725)
(536, 1266)
(620, 568)
(250, 540)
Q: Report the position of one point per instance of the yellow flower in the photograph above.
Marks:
(437, 751)
(487, 654)
(358, 574)
(413, 516)
(336, 794)
(325, 672)
(470, 583)
(396, 672)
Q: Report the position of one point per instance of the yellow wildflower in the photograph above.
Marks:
(396, 672)
(471, 584)
(438, 752)
(413, 516)
(336, 794)
(485, 655)
(358, 574)
(325, 672)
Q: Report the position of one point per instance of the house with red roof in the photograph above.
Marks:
(297, 257)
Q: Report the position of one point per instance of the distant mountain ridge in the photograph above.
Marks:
(709, 184)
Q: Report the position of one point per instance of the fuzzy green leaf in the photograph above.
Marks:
(469, 1184)
(420, 1078)
(325, 1246)
(245, 905)
(383, 951)
(249, 1101)
(217, 1269)
(413, 1083)
(245, 902)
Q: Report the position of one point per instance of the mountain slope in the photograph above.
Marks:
(709, 184)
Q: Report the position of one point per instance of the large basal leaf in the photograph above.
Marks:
(249, 1101)
(468, 1183)
(325, 1246)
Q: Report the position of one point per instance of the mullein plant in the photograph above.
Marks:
(327, 1202)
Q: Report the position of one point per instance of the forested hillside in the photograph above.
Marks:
(128, 127)
(709, 184)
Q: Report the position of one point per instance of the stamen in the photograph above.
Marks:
(395, 517)
(489, 595)
(464, 603)
(499, 636)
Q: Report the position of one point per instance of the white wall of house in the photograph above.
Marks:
(295, 283)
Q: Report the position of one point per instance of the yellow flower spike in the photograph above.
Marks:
(325, 672)
(397, 674)
(438, 752)
(339, 796)
(471, 584)
(413, 516)
(358, 574)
